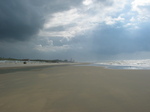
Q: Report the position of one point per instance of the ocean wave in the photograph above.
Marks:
(127, 64)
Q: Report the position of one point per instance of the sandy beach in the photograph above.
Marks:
(67, 88)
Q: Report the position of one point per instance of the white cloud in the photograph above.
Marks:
(51, 48)
(142, 8)
(139, 13)
(87, 2)
(137, 3)
(81, 19)
(62, 18)
(132, 19)
(110, 21)
(131, 26)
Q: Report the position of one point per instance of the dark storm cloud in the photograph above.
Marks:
(111, 40)
(142, 37)
(21, 19)
(107, 41)
(18, 20)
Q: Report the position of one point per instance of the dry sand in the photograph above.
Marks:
(74, 89)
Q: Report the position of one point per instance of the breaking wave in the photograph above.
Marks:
(126, 64)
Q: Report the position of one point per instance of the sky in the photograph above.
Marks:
(84, 30)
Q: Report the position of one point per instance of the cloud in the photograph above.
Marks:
(110, 21)
(87, 2)
(112, 40)
(25, 19)
(142, 8)
(50, 48)
(81, 29)
(21, 20)
(79, 20)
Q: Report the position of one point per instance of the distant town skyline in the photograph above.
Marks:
(84, 30)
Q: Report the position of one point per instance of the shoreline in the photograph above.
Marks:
(10, 68)
(34, 65)
(117, 67)
(17, 65)
(111, 67)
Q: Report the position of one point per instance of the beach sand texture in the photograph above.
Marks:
(74, 89)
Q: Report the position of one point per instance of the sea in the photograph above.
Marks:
(124, 64)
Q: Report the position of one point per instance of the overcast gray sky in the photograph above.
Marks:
(85, 30)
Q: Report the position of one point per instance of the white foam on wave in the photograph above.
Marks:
(131, 64)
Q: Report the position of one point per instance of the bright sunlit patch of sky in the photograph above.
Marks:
(92, 13)
(79, 19)
(87, 2)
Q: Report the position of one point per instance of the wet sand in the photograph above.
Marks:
(74, 89)
(29, 64)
